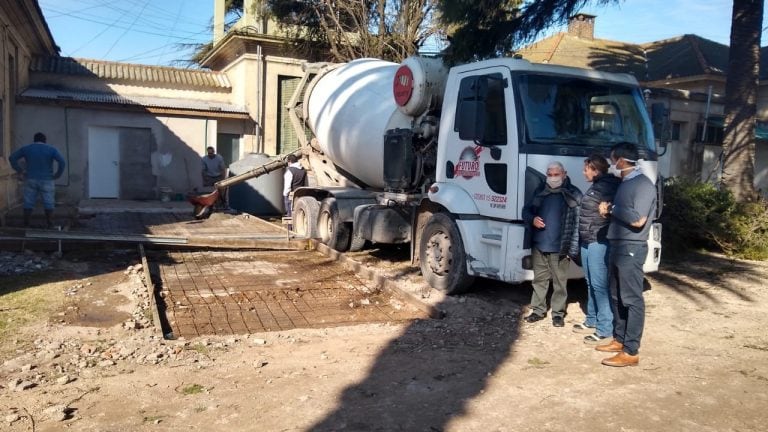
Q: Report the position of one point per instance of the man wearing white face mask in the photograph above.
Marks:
(631, 212)
(553, 217)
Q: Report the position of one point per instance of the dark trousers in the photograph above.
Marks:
(546, 267)
(625, 271)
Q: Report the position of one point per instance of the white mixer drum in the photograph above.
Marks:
(349, 110)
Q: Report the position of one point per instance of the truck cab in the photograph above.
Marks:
(503, 122)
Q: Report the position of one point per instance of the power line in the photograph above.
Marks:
(97, 35)
(176, 20)
(128, 29)
(151, 33)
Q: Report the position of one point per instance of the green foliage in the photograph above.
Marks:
(193, 389)
(701, 216)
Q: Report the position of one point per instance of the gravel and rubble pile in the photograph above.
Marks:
(14, 263)
(53, 364)
(54, 361)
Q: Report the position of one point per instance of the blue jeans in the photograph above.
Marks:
(33, 187)
(594, 261)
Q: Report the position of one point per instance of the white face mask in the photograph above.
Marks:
(612, 169)
(554, 182)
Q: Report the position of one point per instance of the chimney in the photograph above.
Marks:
(218, 20)
(582, 26)
(253, 16)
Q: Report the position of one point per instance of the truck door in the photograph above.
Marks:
(478, 149)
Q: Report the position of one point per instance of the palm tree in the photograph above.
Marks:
(741, 87)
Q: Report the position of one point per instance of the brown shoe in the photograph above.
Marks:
(622, 359)
(612, 346)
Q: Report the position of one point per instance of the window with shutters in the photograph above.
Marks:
(287, 141)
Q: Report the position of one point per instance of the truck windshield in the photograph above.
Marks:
(569, 111)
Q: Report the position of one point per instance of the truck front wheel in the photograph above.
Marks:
(441, 255)
(305, 213)
(333, 232)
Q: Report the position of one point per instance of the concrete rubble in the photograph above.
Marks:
(14, 263)
(52, 363)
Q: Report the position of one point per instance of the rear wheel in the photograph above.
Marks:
(357, 243)
(442, 257)
(332, 231)
(305, 213)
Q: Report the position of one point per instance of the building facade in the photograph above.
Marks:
(24, 36)
(131, 131)
(687, 74)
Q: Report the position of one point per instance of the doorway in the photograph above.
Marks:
(103, 162)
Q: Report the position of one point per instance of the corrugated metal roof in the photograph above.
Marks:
(143, 101)
(126, 71)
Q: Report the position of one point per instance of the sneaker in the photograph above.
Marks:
(594, 339)
(583, 328)
(558, 321)
(532, 318)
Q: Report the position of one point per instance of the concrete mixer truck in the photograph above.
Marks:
(446, 158)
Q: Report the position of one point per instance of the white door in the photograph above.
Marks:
(103, 162)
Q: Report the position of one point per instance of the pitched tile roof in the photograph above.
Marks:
(127, 72)
(139, 101)
(680, 57)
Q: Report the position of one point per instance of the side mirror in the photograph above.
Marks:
(480, 115)
(660, 121)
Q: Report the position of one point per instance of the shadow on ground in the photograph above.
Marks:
(696, 275)
(428, 375)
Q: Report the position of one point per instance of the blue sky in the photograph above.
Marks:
(149, 31)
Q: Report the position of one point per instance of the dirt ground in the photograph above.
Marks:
(87, 365)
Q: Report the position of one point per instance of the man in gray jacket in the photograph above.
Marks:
(631, 216)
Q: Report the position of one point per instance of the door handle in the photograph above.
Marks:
(114, 163)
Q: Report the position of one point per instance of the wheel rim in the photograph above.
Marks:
(439, 253)
(300, 222)
(325, 226)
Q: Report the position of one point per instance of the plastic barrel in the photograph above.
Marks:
(260, 196)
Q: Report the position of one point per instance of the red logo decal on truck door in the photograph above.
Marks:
(468, 165)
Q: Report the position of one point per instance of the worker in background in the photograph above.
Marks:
(37, 173)
(214, 168)
(294, 177)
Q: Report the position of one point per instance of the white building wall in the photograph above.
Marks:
(177, 143)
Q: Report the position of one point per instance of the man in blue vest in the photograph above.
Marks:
(37, 173)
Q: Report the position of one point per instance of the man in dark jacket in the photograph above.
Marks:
(593, 229)
(553, 216)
